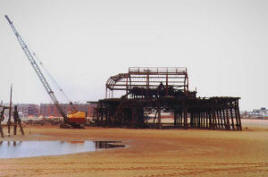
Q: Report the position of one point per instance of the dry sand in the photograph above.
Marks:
(150, 153)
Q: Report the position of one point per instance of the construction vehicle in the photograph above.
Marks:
(75, 119)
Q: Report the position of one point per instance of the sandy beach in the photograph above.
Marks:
(176, 152)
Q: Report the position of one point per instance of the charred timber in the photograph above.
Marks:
(152, 92)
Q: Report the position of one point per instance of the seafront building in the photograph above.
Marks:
(45, 110)
(261, 113)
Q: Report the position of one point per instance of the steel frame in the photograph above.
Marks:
(143, 98)
(149, 78)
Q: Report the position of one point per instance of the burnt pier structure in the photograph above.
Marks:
(148, 95)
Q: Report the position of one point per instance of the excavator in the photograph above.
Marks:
(75, 119)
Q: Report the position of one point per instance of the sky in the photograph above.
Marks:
(223, 44)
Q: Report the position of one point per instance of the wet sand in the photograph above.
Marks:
(150, 153)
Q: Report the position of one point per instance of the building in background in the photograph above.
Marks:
(28, 110)
(261, 113)
(50, 110)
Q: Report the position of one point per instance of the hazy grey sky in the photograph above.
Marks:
(82, 42)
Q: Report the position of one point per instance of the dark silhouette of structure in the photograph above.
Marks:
(146, 98)
(16, 120)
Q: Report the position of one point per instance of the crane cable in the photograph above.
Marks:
(51, 77)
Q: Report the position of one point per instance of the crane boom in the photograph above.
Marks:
(37, 70)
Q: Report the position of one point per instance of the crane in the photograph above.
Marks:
(67, 121)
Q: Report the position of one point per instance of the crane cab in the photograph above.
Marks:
(77, 117)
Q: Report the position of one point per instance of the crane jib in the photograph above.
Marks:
(9, 21)
(37, 70)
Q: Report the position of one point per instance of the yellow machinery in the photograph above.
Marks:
(77, 117)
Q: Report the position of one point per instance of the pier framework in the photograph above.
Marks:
(152, 92)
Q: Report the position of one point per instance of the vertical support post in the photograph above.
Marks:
(203, 120)
(217, 119)
(159, 117)
(127, 85)
(220, 118)
(167, 84)
(10, 111)
(17, 121)
(106, 117)
(238, 118)
(102, 114)
(180, 119)
(1, 119)
(223, 118)
(191, 119)
(1, 131)
(147, 80)
(194, 119)
(214, 125)
(207, 120)
(199, 120)
(210, 121)
(15, 128)
(175, 118)
(185, 117)
(226, 120)
(232, 118)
